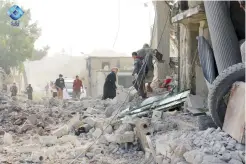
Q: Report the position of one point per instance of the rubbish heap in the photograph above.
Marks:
(89, 132)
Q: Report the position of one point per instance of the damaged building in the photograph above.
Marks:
(169, 127)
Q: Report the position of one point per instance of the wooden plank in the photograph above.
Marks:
(234, 123)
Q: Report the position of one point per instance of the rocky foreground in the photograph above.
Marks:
(86, 132)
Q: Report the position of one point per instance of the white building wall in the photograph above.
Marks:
(161, 39)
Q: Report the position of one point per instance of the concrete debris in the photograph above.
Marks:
(55, 131)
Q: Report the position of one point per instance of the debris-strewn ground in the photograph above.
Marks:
(64, 132)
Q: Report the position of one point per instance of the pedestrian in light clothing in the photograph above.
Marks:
(60, 85)
(109, 88)
(77, 86)
(29, 91)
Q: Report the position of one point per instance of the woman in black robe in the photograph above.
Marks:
(109, 88)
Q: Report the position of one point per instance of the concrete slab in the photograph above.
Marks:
(234, 123)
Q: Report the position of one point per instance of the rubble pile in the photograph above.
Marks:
(87, 132)
(54, 131)
(205, 147)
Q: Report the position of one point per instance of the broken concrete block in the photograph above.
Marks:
(74, 122)
(69, 138)
(90, 121)
(196, 101)
(108, 130)
(50, 152)
(159, 159)
(157, 115)
(147, 153)
(99, 123)
(48, 140)
(93, 111)
(61, 131)
(234, 161)
(109, 111)
(82, 149)
(32, 119)
(38, 156)
(97, 133)
(166, 161)
(25, 128)
(207, 159)
(102, 140)
(123, 128)
(160, 126)
(120, 138)
(193, 156)
(7, 139)
(29, 148)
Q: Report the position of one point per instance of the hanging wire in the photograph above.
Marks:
(117, 33)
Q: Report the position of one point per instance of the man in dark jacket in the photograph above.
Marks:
(109, 88)
(60, 85)
(147, 53)
(29, 91)
(139, 73)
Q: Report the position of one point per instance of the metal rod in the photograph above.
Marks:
(178, 37)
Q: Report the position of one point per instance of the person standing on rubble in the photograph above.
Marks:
(5, 88)
(13, 90)
(147, 54)
(77, 86)
(109, 88)
(53, 89)
(29, 91)
(139, 72)
(60, 85)
(47, 89)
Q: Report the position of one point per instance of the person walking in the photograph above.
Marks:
(109, 88)
(29, 91)
(139, 73)
(13, 90)
(147, 54)
(60, 85)
(77, 86)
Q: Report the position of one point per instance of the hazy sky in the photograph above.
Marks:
(84, 25)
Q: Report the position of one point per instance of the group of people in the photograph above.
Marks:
(57, 89)
(143, 73)
(14, 90)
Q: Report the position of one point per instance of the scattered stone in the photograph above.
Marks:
(61, 131)
(7, 139)
(234, 161)
(90, 121)
(97, 133)
(48, 140)
(32, 119)
(159, 159)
